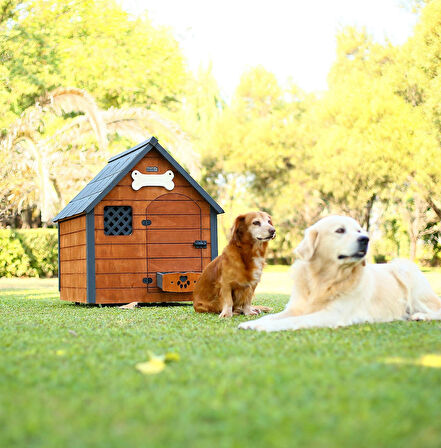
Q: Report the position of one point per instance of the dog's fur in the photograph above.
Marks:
(227, 284)
(334, 286)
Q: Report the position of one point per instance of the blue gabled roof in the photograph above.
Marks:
(117, 167)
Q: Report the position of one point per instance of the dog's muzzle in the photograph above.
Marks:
(363, 242)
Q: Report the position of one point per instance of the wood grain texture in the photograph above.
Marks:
(139, 206)
(116, 281)
(173, 250)
(74, 280)
(127, 266)
(138, 236)
(123, 193)
(72, 225)
(72, 253)
(73, 239)
(74, 294)
(73, 267)
(183, 236)
(120, 251)
(157, 221)
(139, 295)
(175, 265)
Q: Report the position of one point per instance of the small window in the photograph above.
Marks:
(118, 220)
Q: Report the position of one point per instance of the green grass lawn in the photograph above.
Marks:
(68, 378)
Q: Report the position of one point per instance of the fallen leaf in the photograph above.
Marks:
(129, 306)
(156, 363)
(60, 352)
(430, 361)
(425, 361)
(151, 367)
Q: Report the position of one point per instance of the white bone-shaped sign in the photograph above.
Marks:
(153, 180)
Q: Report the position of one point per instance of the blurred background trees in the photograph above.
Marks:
(78, 85)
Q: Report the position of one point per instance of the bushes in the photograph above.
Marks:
(28, 253)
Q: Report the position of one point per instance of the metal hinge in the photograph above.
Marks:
(146, 222)
(147, 280)
(200, 244)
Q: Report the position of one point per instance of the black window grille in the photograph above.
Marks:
(118, 220)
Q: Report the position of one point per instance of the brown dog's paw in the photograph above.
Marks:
(226, 312)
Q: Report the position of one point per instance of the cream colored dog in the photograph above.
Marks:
(334, 286)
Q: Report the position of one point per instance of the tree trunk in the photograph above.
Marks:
(413, 247)
(367, 216)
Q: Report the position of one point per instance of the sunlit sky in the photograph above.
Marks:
(291, 38)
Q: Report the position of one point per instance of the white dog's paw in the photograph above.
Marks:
(250, 325)
(258, 325)
(419, 316)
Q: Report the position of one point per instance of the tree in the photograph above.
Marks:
(47, 143)
(120, 60)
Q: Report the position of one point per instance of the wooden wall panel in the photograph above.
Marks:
(72, 253)
(121, 261)
(183, 236)
(74, 294)
(122, 266)
(158, 222)
(120, 251)
(73, 225)
(116, 281)
(74, 280)
(139, 206)
(169, 264)
(139, 295)
(73, 239)
(176, 251)
(73, 267)
(138, 236)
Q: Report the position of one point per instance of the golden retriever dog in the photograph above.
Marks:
(227, 284)
(334, 286)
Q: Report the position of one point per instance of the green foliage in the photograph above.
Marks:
(14, 262)
(367, 147)
(120, 59)
(29, 253)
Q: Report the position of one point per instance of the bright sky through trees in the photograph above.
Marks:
(291, 38)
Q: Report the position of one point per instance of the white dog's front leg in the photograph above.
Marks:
(323, 318)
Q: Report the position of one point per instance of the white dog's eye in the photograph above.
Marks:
(256, 223)
(340, 230)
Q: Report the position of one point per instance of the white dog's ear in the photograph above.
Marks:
(306, 249)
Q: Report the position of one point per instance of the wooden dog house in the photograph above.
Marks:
(142, 230)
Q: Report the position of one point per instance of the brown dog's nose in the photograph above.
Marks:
(272, 232)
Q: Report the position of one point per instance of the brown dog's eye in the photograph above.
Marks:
(256, 223)
(340, 230)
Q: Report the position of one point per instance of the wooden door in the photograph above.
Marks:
(174, 224)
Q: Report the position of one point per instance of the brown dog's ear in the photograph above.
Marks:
(238, 228)
(306, 249)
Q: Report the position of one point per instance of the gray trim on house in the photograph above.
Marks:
(59, 264)
(213, 233)
(90, 256)
(117, 167)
